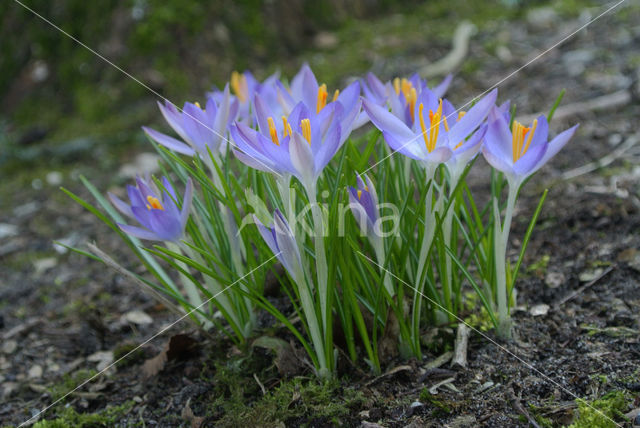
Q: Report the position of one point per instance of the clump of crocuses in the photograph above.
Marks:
(376, 232)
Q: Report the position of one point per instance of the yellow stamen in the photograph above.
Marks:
(431, 139)
(154, 203)
(518, 132)
(396, 85)
(461, 115)
(359, 194)
(239, 86)
(530, 137)
(335, 95)
(305, 125)
(273, 131)
(411, 101)
(286, 127)
(198, 105)
(322, 97)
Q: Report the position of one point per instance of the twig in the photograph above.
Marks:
(604, 102)
(584, 287)
(603, 161)
(264, 391)
(516, 403)
(460, 352)
(454, 58)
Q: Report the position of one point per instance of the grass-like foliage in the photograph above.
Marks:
(371, 232)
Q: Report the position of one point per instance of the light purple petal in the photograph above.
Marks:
(387, 122)
(302, 159)
(139, 233)
(556, 145)
(527, 164)
(120, 205)
(169, 142)
(186, 203)
(474, 117)
(440, 90)
(495, 160)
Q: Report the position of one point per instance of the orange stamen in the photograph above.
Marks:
(305, 125)
(322, 97)
(273, 131)
(154, 203)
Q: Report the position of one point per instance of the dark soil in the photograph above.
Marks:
(57, 313)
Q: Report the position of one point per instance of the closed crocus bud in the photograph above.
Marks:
(157, 212)
(282, 243)
(363, 202)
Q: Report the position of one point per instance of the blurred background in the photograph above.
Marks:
(59, 102)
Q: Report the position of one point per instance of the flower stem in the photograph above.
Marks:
(321, 258)
(501, 239)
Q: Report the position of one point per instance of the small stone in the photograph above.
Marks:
(590, 274)
(43, 265)
(26, 209)
(539, 310)
(9, 388)
(54, 178)
(416, 404)
(36, 184)
(9, 346)
(103, 358)
(554, 279)
(542, 17)
(35, 372)
(325, 40)
(137, 399)
(53, 367)
(137, 317)
(8, 230)
(504, 54)
(143, 164)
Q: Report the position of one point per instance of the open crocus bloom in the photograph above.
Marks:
(157, 212)
(430, 139)
(199, 128)
(301, 144)
(244, 86)
(520, 151)
(305, 88)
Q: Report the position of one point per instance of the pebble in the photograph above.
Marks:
(43, 265)
(539, 310)
(590, 274)
(26, 209)
(9, 346)
(576, 61)
(103, 358)
(504, 54)
(9, 388)
(137, 317)
(35, 372)
(8, 230)
(542, 17)
(54, 178)
(554, 279)
(143, 164)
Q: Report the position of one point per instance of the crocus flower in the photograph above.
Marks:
(282, 243)
(363, 202)
(244, 86)
(301, 144)
(156, 211)
(429, 139)
(520, 151)
(199, 128)
(305, 88)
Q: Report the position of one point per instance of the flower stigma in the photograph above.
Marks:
(154, 203)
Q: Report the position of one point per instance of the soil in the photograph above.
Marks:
(59, 309)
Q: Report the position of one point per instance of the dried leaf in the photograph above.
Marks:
(179, 347)
(187, 415)
(288, 361)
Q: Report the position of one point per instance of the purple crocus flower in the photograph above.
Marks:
(363, 202)
(430, 139)
(282, 243)
(305, 88)
(244, 86)
(301, 144)
(520, 151)
(199, 128)
(156, 211)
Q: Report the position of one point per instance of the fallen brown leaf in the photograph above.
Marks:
(179, 347)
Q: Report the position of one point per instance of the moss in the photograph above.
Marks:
(104, 418)
(70, 382)
(603, 412)
(297, 402)
(441, 407)
(121, 350)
